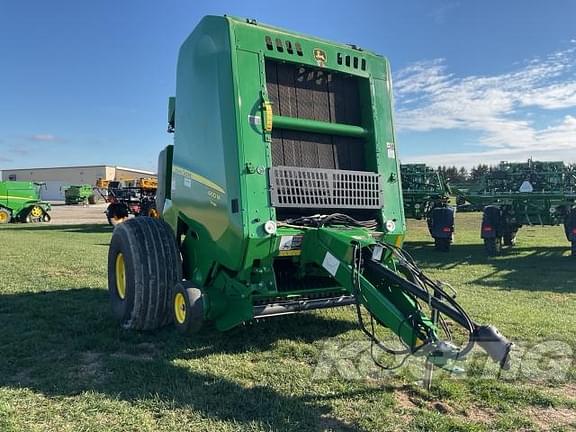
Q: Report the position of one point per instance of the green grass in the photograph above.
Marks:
(65, 366)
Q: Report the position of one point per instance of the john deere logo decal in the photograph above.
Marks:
(320, 56)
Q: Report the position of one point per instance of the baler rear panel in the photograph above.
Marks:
(223, 152)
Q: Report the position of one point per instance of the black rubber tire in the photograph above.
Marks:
(493, 246)
(7, 216)
(116, 212)
(92, 199)
(46, 217)
(193, 305)
(509, 239)
(442, 244)
(148, 208)
(152, 269)
(28, 218)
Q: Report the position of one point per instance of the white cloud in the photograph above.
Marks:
(556, 142)
(428, 98)
(44, 137)
(552, 97)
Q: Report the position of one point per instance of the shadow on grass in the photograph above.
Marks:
(77, 228)
(63, 343)
(519, 268)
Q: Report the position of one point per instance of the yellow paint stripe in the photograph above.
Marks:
(292, 252)
(197, 178)
(17, 197)
(398, 242)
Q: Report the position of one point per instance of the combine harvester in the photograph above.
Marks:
(531, 193)
(426, 195)
(20, 202)
(281, 194)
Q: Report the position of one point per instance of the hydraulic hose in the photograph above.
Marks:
(442, 302)
(486, 336)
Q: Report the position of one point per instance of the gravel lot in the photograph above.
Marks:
(78, 214)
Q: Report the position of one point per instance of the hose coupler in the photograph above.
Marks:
(494, 343)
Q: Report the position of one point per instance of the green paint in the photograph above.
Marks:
(305, 125)
(423, 188)
(76, 194)
(552, 198)
(19, 197)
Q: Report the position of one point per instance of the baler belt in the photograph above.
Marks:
(306, 93)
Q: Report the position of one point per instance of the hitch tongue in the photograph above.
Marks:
(494, 343)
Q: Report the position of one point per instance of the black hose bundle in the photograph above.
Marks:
(357, 265)
(334, 219)
(420, 287)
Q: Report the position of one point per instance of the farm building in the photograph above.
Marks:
(58, 178)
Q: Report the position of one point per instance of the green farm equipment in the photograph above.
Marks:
(281, 194)
(20, 202)
(79, 194)
(530, 193)
(426, 195)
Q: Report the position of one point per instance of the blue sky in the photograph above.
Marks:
(86, 82)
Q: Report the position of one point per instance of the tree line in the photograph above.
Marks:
(463, 175)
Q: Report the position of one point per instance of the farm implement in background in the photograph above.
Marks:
(128, 197)
(529, 193)
(426, 196)
(79, 194)
(20, 202)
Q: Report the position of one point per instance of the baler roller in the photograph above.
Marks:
(321, 127)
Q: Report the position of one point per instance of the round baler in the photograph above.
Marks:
(281, 194)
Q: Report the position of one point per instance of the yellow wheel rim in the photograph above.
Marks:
(180, 308)
(118, 220)
(120, 276)
(36, 212)
(3, 217)
(153, 213)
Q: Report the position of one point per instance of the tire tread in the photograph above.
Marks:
(155, 268)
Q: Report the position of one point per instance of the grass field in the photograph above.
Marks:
(65, 366)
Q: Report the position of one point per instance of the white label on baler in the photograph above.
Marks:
(286, 243)
(377, 253)
(254, 120)
(331, 263)
(187, 182)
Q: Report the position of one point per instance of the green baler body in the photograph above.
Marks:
(423, 188)
(331, 110)
(19, 196)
